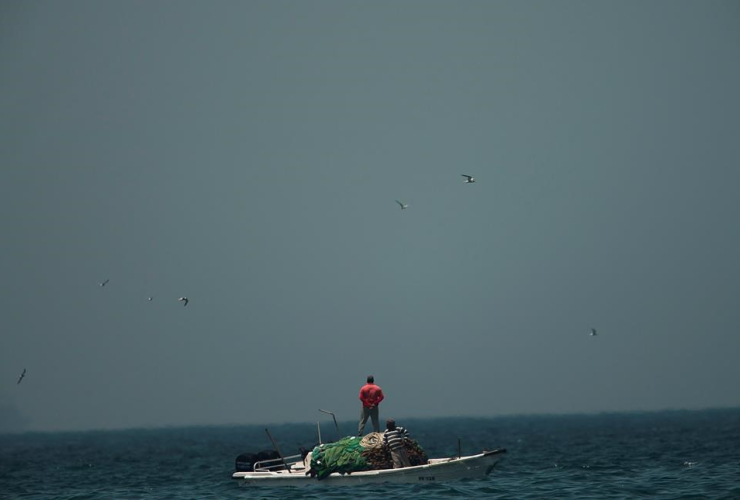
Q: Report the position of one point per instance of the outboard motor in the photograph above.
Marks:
(245, 462)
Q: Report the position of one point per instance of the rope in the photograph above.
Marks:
(372, 440)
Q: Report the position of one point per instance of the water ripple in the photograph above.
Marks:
(662, 455)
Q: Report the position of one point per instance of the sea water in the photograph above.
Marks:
(672, 454)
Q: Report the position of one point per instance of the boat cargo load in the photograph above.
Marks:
(354, 454)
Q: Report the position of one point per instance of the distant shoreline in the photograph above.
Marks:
(349, 424)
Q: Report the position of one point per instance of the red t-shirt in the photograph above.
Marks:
(371, 395)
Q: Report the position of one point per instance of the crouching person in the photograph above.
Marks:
(393, 438)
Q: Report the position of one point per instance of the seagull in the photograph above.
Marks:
(104, 282)
(468, 178)
(21, 377)
(150, 299)
(593, 332)
(184, 300)
(404, 206)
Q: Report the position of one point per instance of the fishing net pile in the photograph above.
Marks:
(352, 454)
(378, 456)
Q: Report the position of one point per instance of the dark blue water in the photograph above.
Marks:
(677, 454)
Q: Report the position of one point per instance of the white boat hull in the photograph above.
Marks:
(437, 470)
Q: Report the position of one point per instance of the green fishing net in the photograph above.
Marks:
(342, 456)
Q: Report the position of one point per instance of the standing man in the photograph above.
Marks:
(371, 395)
(394, 437)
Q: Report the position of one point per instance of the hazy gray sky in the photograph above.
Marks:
(247, 155)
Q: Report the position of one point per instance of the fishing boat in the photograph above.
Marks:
(294, 471)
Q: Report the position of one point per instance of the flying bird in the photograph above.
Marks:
(468, 178)
(593, 332)
(150, 299)
(404, 206)
(104, 282)
(184, 300)
(21, 377)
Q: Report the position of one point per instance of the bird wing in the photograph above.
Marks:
(399, 203)
(467, 176)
